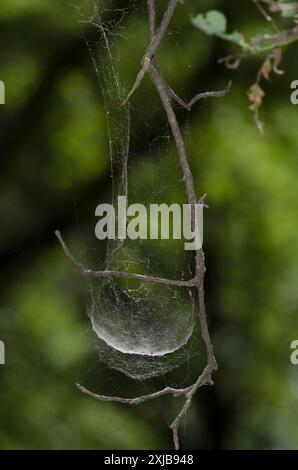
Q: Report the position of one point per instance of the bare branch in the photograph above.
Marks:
(188, 393)
(138, 80)
(137, 400)
(200, 96)
(155, 41)
(266, 43)
(266, 15)
(162, 89)
(202, 201)
(166, 96)
(152, 16)
(106, 274)
(204, 379)
(157, 38)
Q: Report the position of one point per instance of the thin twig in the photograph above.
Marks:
(200, 96)
(202, 201)
(154, 43)
(152, 16)
(265, 44)
(176, 392)
(162, 89)
(204, 379)
(158, 37)
(266, 15)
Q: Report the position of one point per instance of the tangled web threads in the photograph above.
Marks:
(142, 329)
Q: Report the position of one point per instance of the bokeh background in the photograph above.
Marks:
(55, 170)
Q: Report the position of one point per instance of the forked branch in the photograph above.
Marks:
(200, 96)
(106, 274)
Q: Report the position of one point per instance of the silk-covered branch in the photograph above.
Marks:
(167, 96)
(105, 274)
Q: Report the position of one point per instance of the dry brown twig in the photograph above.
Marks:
(267, 44)
(166, 96)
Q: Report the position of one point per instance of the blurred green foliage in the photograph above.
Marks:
(55, 170)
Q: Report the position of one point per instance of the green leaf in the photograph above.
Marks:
(214, 22)
(235, 37)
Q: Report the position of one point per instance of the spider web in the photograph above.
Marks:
(141, 329)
